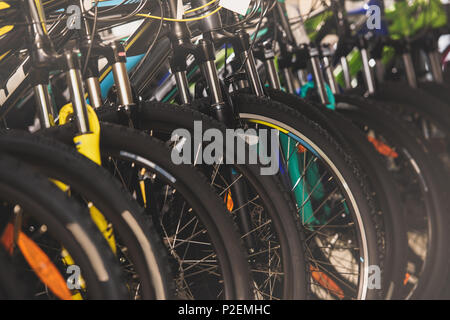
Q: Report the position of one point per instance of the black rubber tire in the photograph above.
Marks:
(164, 118)
(250, 107)
(416, 105)
(415, 100)
(381, 184)
(115, 139)
(96, 184)
(387, 201)
(68, 223)
(12, 285)
(438, 90)
(431, 285)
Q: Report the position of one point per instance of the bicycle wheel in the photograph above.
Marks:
(388, 203)
(414, 168)
(40, 225)
(382, 186)
(273, 243)
(139, 250)
(204, 248)
(339, 254)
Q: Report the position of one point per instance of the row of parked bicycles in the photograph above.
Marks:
(100, 98)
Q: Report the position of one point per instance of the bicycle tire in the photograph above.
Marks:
(382, 185)
(95, 184)
(164, 118)
(438, 90)
(141, 148)
(277, 115)
(415, 100)
(433, 187)
(67, 222)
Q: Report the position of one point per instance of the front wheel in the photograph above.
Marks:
(203, 245)
(344, 233)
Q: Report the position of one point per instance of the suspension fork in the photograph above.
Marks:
(376, 53)
(405, 48)
(409, 65)
(208, 67)
(285, 64)
(91, 79)
(91, 74)
(43, 57)
(76, 89)
(180, 38)
(39, 81)
(116, 56)
(42, 54)
(289, 80)
(287, 46)
(319, 80)
(241, 47)
(435, 65)
(313, 54)
(118, 60)
(182, 85)
(343, 29)
(307, 52)
(274, 80)
(328, 68)
(346, 72)
(302, 76)
(290, 46)
(367, 70)
(224, 114)
(204, 54)
(300, 64)
(434, 60)
(265, 54)
(379, 70)
(409, 69)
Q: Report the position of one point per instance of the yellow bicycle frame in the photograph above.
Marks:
(88, 144)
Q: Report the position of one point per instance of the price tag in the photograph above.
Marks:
(239, 6)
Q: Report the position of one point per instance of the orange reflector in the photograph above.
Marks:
(38, 261)
(8, 238)
(228, 201)
(407, 276)
(326, 282)
(300, 148)
(382, 148)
